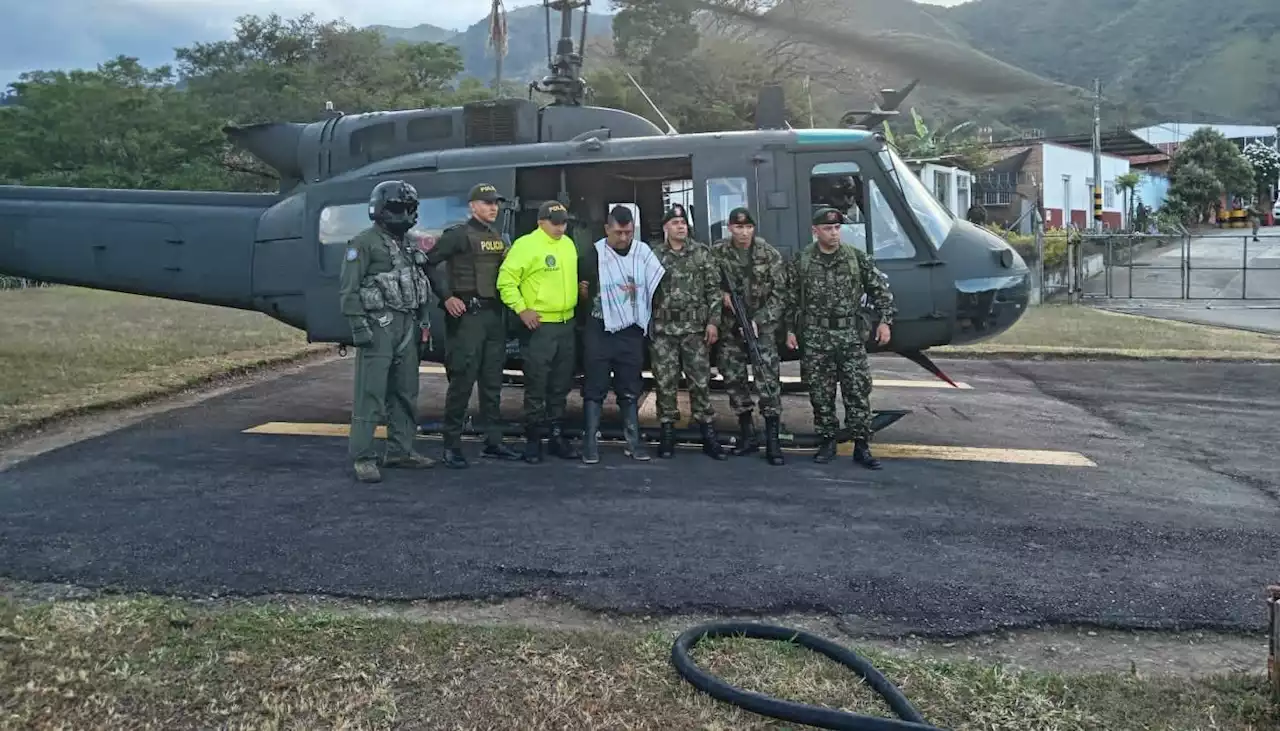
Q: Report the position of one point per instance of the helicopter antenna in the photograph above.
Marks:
(564, 83)
(498, 40)
(671, 130)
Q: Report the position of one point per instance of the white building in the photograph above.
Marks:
(950, 185)
(1067, 173)
(1169, 135)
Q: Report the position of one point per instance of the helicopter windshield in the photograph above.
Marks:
(936, 220)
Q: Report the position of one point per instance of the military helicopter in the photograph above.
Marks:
(281, 253)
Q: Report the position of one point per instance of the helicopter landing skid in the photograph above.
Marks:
(612, 431)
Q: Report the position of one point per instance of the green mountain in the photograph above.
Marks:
(1200, 61)
(424, 33)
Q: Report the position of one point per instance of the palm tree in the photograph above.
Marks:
(1127, 184)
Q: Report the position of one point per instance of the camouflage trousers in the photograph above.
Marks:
(734, 359)
(838, 362)
(669, 356)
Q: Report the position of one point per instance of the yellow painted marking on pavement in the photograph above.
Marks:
(1046, 457)
(437, 369)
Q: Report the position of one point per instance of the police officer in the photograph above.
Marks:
(828, 280)
(384, 295)
(757, 273)
(475, 329)
(686, 320)
(538, 280)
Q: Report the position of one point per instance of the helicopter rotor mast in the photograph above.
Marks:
(564, 83)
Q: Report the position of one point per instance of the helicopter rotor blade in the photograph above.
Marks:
(945, 63)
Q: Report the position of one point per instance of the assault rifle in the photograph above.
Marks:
(744, 322)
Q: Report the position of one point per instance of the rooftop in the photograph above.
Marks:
(1171, 132)
(1118, 142)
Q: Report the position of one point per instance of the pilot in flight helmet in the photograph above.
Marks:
(393, 205)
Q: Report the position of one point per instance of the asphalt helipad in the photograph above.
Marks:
(1124, 494)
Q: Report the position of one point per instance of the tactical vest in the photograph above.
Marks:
(404, 288)
(477, 270)
(802, 271)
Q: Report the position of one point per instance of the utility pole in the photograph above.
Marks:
(1097, 155)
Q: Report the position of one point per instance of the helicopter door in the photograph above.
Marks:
(340, 211)
(849, 181)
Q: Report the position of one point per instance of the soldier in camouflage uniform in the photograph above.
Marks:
(686, 316)
(384, 295)
(756, 271)
(828, 280)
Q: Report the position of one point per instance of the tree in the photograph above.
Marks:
(1206, 167)
(923, 142)
(1266, 168)
(1127, 184)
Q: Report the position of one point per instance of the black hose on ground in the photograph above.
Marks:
(789, 710)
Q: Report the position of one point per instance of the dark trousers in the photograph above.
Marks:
(476, 348)
(548, 372)
(615, 359)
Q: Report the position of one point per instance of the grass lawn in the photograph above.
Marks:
(65, 349)
(149, 663)
(1078, 330)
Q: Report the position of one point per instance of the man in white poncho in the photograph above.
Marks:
(617, 278)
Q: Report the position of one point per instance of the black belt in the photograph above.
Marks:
(476, 302)
(832, 323)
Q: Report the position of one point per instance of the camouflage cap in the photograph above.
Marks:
(553, 211)
(487, 193)
(827, 215)
(741, 217)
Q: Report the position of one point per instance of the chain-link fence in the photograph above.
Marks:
(7, 282)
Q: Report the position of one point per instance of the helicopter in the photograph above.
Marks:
(281, 253)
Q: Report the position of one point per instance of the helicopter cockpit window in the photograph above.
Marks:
(724, 195)
(340, 223)
(936, 219)
(839, 185)
(890, 237)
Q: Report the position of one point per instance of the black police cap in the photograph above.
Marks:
(553, 211)
(486, 192)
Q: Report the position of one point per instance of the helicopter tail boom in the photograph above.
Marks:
(192, 246)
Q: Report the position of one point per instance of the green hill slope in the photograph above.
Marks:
(424, 33)
(1203, 61)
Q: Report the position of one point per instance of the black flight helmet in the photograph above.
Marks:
(394, 206)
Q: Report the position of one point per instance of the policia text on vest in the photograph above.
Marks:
(463, 266)
(538, 280)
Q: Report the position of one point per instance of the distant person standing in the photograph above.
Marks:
(1255, 217)
(384, 295)
(539, 282)
(977, 214)
(617, 277)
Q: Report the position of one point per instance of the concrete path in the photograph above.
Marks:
(1113, 493)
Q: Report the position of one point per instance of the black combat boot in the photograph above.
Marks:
(667, 441)
(533, 443)
(826, 451)
(747, 443)
(454, 459)
(498, 450)
(862, 455)
(558, 444)
(773, 449)
(635, 448)
(711, 442)
(590, 445)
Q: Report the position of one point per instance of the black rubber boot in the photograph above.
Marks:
(826, 451)
(711, 442)
(590, 445)
(773, 449)
(454, 459)
(533, 444)
(667, 441)
(635, 448)
(862, 455)
(747, 443)
(558, 444)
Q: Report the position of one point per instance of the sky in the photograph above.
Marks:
(64, 34)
